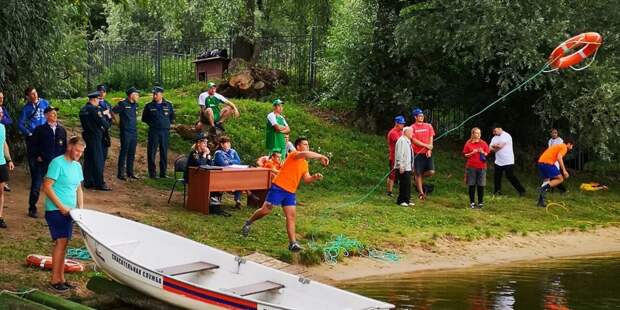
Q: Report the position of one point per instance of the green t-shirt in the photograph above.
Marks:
(273, 138)
(2, 140)
(67, 176)
(212, 102)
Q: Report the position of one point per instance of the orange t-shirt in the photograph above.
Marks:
(291, 172)
(550, 155)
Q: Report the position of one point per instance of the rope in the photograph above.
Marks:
(345, 247)
(559, 205)
(26, 292)
(78, 253)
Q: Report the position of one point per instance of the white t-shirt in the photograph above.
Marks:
(505, 155)
(203, 97)
(271, 117)
(555, 141)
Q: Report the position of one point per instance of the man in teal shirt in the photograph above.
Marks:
(63, 188)
(5, 165)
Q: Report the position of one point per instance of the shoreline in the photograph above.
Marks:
(488, 252)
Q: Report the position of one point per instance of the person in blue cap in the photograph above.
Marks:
(105, 108)
(158, 115)
(128, 119)
(392, 137)
(32, 116)
(93, 126)
(210, 111)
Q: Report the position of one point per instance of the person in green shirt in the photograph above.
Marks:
(210, 110)
(276, 128)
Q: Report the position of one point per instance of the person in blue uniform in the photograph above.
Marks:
(93, 126)
(31, 117)
(158, 115)
(105, 108)
(127, 113)
(50, 140)
(200, 154)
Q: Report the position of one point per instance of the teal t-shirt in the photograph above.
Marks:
(67, 176)
(2, 140)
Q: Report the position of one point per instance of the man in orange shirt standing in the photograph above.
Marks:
(550, 172)
(284, 186)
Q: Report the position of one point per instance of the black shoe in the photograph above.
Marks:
(134, 177)
(480, 205)
(70, 285)
(389, 194)
(59, 288)
(245, 230)
(153, 177)
(33, 213)
(472, 205)
(2, 223)
(541, 201)
(103, 188)
(7, 188)
(295, 247)
(238, 204)
(120, 177)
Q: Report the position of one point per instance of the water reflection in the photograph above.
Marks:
(576, 283)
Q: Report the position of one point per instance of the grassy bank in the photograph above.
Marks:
(358, 162)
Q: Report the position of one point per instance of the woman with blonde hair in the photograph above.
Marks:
(476, 150)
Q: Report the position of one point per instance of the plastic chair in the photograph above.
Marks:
(180, 164)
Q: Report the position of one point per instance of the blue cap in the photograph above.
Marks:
(131, 90)
(158, 89)
(93, 95)
(399, 119)
(416, 112)
(101, 87)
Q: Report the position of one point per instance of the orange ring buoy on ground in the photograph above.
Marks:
(591, 41)
(45, 262)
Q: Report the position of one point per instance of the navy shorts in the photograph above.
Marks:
(421, 163)
(60, 226)
(280, 197)
(548, 171)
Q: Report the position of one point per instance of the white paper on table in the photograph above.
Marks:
(238, 166)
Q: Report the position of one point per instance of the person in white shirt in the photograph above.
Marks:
(501, 144)
(403, 164)
(210, 111)
(556, 139)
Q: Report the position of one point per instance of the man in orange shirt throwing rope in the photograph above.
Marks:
(549, 171)
(284, 186)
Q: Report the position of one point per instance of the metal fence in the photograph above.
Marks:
(169, 63)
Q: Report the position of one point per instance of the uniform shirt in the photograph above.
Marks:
(273, 138)
(32, 116)
(392, 137)
(48, 143)
(195, 159)
(226, 158)
(158, 115)
(213, 102)
(6, 118)
(67, 176)
(475, 160)
(422, 132)
(291, 172)
(92, 120)
(505, 155)
(2, 141)
(551, 155)
(105, 106)
(128, 117)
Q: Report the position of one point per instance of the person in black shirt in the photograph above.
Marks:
(158, 115)
(127, 112)
(200, 155)
(93, 126)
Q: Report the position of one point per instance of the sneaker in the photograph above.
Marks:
(33, 213)
(411, 204)
(121, 177)
(7, 188)
(134, 177)
(70, 285)
(2, 223)
(237, 203)
(245, 230)
(480, 205)
(295, 247)
(541, 201)
(404, 204)
(472, 205)
(59, 288)
(389, 194)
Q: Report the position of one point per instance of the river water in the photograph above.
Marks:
(561, 284)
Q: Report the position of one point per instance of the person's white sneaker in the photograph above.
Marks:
(404, 204)
(411, 204)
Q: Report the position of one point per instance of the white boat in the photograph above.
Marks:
(192, 275)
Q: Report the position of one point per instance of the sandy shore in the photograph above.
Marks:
(459, 254)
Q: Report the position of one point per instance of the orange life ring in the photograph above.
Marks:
(590, 41)
(45, 262)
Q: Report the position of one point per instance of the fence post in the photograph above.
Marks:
(158, 59)
(312, 73)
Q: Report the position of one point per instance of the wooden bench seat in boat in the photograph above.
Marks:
(255, 288)
(187, 268)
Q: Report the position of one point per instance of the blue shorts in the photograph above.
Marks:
(279, 197)
(548, 171)
(60, 226)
